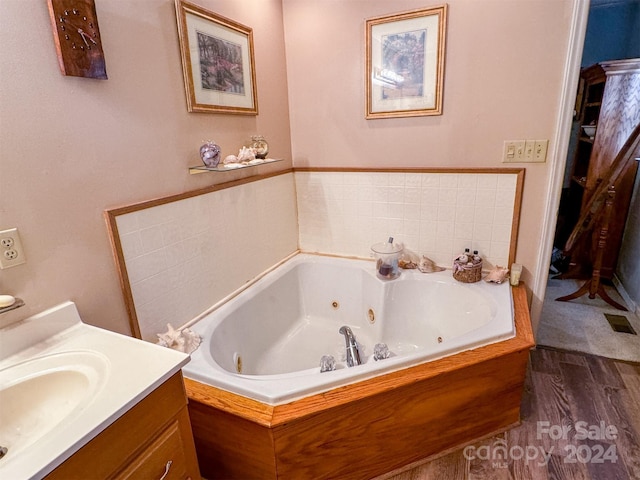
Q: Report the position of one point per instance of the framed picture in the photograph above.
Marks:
(217, 62)
(405, 63)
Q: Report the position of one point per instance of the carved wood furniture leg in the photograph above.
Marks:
(605, 296)
(593, 285)
(585, 288)
(602, 243)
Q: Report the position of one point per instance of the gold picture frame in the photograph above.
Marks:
(217, 62)
(405, 55)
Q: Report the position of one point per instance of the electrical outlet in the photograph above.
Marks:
(7, 242)
(11, 251)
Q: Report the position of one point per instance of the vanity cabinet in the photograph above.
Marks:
(153, 440)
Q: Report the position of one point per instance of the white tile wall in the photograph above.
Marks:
(185, 256)
(435, 214)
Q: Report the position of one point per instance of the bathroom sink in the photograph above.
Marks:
(62, 382)
(38, 394)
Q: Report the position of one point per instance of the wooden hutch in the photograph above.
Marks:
(610, 100)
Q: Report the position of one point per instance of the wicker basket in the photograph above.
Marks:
(465, 273)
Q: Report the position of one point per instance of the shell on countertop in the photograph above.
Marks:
(408, 259)
(230, 159)
(497, 275)
(184, 340)
(426, 265)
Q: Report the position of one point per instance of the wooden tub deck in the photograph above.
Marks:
(368, 428)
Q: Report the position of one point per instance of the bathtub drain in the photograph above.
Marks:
(335, 304)
(237, 360)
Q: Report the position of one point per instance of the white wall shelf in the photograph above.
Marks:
(231, 166)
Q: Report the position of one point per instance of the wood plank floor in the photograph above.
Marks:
(569, 402)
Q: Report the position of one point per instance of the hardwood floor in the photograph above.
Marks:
(580, 420)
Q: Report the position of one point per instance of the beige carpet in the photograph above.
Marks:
(580, 325)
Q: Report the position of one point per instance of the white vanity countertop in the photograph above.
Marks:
(123, 371)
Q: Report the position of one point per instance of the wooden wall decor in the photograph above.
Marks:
(77, 38)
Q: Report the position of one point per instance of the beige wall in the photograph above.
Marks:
(72, 147)
(503, 74)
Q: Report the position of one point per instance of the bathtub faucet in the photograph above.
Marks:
(353, 356)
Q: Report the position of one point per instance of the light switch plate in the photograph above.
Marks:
(540, 151)
(529, 146)
(513, 151)
(525, 151)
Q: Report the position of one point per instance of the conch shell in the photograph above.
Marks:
(246, 154)
(426, 265)
(183, 340)
(497, 275)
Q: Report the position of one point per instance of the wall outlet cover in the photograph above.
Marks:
(11, 251)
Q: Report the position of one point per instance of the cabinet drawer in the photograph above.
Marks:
(154, 431)
(163, 458)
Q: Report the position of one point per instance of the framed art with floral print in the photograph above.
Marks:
(217, 62)
(405, 63)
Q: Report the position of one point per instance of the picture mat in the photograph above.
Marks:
(197, 24)
(430, 74)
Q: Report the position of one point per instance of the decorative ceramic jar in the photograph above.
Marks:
(210, 154)
(260, 145)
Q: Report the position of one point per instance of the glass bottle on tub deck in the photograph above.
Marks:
(387, 256)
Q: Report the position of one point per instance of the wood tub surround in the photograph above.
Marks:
(368, 428)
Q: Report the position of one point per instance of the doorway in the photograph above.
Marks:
(582, 324)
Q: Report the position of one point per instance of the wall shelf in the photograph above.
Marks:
(227, 168)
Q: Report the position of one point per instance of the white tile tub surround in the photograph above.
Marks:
(183, 257)
(435, 214)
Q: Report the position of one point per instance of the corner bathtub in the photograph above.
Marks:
(266, 343)
(256, 377)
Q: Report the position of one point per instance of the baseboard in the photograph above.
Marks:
(623, 293)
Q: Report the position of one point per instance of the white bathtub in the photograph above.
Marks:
(277, 330)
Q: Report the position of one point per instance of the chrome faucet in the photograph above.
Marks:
(353, 356)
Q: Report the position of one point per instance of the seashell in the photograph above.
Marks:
(191, 340)
(230, 159)
(184, 340)
(408, 259)
(246, 154)
(407, 264)
(427, 265)
(497, 275)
